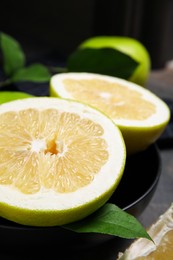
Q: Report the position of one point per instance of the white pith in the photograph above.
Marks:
(110, 172)
(162, 112)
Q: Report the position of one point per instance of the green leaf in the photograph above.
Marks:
(106, 61)
(13, 56)
(110, 220)
(35, 73)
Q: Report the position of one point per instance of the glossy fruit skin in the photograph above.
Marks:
(138, 139)
(129, 46)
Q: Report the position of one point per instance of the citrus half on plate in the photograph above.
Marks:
(60, 160)
(140, 115)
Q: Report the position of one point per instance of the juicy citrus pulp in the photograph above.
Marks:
(162, 234)
(59, 160)
(140, 115)
(129, 46)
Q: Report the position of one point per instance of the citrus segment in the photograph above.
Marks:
(162, 246)
(56, 156)
(140, 115)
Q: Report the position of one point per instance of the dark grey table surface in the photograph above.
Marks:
(161, 83)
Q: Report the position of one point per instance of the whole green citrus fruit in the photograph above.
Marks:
(129, 46)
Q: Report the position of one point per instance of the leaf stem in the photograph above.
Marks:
(58, 69)
(5, 83)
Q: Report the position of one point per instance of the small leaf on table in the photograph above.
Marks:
(108, 61)
(35, 73)
(110, 220)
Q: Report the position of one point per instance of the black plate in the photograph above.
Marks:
(133, 194)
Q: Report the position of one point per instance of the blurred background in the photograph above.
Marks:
(53, 29)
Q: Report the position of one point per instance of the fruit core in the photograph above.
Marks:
(49, 149)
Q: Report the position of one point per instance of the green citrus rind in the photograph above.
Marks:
(6, 96)
(54, 217)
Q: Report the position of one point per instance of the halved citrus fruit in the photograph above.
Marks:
(59, 160)
(162, 246)
(140, 115)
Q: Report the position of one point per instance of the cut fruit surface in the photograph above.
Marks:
(140, 115)
(60, 160)
(162, 246)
